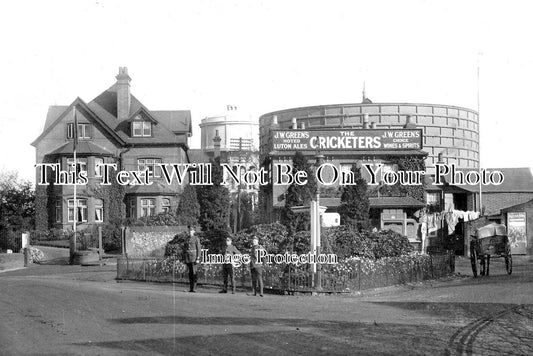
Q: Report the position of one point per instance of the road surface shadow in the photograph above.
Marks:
(449, 328)
(301, 337)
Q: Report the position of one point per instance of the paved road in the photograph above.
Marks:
(83, 311)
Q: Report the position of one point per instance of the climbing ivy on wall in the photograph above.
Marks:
(411, 163)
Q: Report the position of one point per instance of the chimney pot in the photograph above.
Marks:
(372, 125)
(294, 123)
(275, 120)
(302, 125)
(365, 121)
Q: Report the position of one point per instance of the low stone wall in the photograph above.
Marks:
(149, 241)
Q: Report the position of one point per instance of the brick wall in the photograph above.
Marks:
(494, 202)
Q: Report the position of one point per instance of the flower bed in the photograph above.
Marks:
(352, 274)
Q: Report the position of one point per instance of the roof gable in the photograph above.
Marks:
(84, 109)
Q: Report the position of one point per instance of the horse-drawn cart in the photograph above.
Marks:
(490, 241)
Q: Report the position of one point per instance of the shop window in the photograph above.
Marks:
(152, 164)
(147, 207)
(81, 215)
(98, 210)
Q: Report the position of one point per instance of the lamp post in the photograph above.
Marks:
(442, 201)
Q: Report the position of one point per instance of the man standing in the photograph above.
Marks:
(256, 266)
(193, 250)
(227, 267)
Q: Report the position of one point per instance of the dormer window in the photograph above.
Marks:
(141, 128)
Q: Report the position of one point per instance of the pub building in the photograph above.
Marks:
(391, 207)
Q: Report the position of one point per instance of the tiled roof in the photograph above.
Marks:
(175, 120)
(516, 180)
(54, 112)
(169, 128)
(83, 147)
(168, 122)
(155, 188)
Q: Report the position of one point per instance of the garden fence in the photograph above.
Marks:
(360, 274)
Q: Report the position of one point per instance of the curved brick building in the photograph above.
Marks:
(450, 130)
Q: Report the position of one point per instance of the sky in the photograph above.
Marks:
(268, 55)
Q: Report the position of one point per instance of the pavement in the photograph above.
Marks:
(75, 310)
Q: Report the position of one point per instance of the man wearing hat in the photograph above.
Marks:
(256, 266)
(193, 250)
(227, 267)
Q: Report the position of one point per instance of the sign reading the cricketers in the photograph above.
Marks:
(340, 140)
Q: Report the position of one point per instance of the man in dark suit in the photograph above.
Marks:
(227, 268)
(193, 250)
(256, 266)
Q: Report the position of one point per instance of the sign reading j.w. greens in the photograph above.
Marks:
(349, 139)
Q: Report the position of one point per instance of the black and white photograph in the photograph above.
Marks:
(266, 177)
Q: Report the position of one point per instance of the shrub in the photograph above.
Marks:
(174, 248)
(271, 236)
(346, 241)
(387, 243)
(111, 237)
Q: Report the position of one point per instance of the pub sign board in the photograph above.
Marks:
(347, 139)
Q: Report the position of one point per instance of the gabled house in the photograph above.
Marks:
(115, 127)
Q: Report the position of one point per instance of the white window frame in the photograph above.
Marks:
(165, 205)
(144, 128)
(82, 204)
(98, 171)
(147, 207)
(143, 163)
(82, 162)
(98, 210)
(83, 131)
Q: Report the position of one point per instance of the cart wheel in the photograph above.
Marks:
(509, 262)
(473, 261)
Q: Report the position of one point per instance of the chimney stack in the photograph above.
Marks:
(302, 125)
(274, 120)
(365, 121)
(216, 144)
(123, 94)
(294, 123)
(409, 122)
